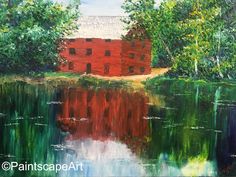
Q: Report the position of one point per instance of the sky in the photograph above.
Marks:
(101, 7)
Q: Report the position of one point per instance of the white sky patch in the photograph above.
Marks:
(158, 2)
(102, 7)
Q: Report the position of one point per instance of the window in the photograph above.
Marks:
(131, 69)
(142, 69)
(132, 55)
(89, 52)
(107, 53)
(142, 57)
(72, 51)
(107, 40)
(106, 68)
(106, 112)
(89, 112)
(108, 96)
(143, 44)
(71, 65)
(88, 40)
(129, 116)
(88, 68)
(132, 44)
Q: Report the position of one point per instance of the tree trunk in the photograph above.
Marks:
(196, 67)
(218, 56)
(196, 61)
(10, 4)
(167, 48)
(218, 65)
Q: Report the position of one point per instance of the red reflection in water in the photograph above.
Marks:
(104, 114)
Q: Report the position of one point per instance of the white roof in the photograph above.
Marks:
(105, 27)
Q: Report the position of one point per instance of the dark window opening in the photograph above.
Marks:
(89, 52)
(132, 55)
(72, 51)
(132, 44)
(107, 53)
(142, 57)
(89, 40)
(108, 96)
(142, 69)
(89, 112)
(129, 114)
(143, 44)
(106, 112)
(88, 68)
(131, 69)
(107, 40)
(71, 65)
(106, 69)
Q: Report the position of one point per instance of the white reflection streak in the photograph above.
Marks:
(108, 158)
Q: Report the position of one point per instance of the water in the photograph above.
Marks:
(177, 128)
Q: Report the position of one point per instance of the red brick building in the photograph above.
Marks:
(100, 47)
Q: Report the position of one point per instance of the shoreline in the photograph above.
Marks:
(58, 78)
(74, 79)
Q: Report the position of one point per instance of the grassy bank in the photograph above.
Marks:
(59, 79)
(72, 79)
(157, 81)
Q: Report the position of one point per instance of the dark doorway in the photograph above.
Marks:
(88, 68)
(106, 68)
(71, 66)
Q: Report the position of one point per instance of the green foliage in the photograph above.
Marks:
(160, 25)
(205, 38)
(195, 37)
(30, 32)
(91, 82)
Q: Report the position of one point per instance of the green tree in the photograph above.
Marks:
(227, 39)
(30, 34)
(210, 48)
(160, 24)
(196, 38)
(200, 27)
(167, 36)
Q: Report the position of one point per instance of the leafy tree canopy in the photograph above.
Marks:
(30, 31)
(196, 38)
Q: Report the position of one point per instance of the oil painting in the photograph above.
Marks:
(117, 88)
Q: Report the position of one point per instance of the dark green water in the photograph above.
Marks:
(177, 128)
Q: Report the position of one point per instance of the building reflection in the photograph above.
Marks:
(104, 114)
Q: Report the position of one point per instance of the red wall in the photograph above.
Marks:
(110, 114)
(119, 61)
(139, 49)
